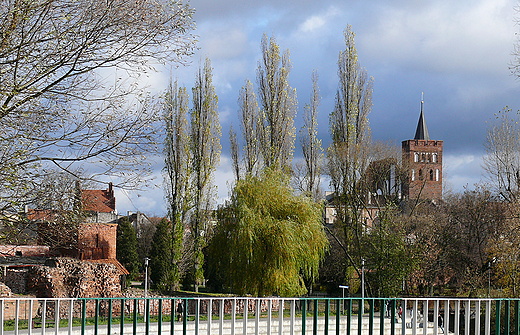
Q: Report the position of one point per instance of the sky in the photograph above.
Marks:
(455, 52)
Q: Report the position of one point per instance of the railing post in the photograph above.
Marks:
(197, 306)
(147, 315)
(209, 312)
(269, 310)
(109, 325)
(122, 319)
(507, 315)
(477, 317)
(257, 316)
(246, 311)
(29, 322)
(349, 315)
(160, 316)
(315, 318)
(403, 316)
(517, 318)
(392, 315)
(304, 315)
(327, 306)
(16, 316)
(456, 325)
(136, 305)
(436, 314)
(293, 312)
(184, 303)
(83, 316)
(221, 317)
(382, 312)
(371, 316)
(96, 317)
(233, 316)
(339, 303)
(280, 317)
(497, 317)
(360, 316)
(487, 323)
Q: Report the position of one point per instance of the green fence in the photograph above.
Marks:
(241, 315)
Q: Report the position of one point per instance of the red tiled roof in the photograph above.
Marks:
(122, 270)
(102, 201)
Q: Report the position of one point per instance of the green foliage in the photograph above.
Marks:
(162, 274)
(388, 253)
(127, 247)
(268, 240)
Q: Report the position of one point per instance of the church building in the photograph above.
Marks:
(422, 162)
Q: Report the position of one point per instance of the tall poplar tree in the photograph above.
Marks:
(311, 144)
(348, 154)
(249, 119)
(277, 101)
(205, 150)
(176, 173)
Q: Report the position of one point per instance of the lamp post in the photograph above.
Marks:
(362, 286)
(343, 287)
(362, 278)
(146, 260)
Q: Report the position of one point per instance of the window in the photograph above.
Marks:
(431, 175)
(428, 157)
(413, 175)
(420, 174)
(437, 175)
(416, 157)
(434, 158)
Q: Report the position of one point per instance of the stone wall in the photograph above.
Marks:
(71, 278)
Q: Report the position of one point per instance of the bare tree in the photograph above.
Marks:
(58, 107)
(205, 148)
(502, 159)
(276, 133)
(311, 144)
(176, 172)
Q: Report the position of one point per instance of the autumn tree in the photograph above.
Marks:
(177, 172)
(205, 151)
(269, 240)
(57, 107)
(277, 103)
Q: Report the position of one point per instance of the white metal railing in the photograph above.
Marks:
(245, 315)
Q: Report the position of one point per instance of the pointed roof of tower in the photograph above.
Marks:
(422, 131)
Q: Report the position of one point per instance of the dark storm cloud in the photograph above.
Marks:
(456, 52)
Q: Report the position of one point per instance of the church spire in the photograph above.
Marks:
(422, 131)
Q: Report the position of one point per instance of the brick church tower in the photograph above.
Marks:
(422, 161)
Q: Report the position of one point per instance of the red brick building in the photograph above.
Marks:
(422, 160)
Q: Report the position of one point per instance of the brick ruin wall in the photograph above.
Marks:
(71, 278)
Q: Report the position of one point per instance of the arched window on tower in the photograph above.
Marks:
(434, 158)
(431, 175)
(420, 174)
(437, 175)
(416, 157)
(413, 175)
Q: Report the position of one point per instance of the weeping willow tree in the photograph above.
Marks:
(269, 241)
